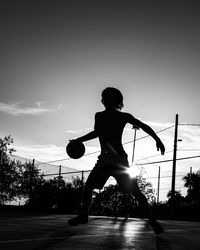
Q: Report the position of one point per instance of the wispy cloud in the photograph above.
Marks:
(159, 124)
(19, 109)
(78, 131)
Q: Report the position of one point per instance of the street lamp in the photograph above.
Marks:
(135, 130)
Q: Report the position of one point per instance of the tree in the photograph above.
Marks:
(111, 201)
(44, 194)
(9, 171)
(30, 179)
(177, 200)
(192, 182)
(77, 182)
(146, 188)
(4, 150)
(54, 193)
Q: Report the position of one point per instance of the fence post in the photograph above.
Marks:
(31, 180)
(59, 177)
(190, 178)
(82, 176)
(82, 188)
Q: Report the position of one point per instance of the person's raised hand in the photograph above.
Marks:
(160, 146)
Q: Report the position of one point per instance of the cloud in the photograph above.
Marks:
(41, 152)
(18, 109)
(78, 131)
(159, 124)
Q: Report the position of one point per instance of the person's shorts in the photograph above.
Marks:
(107, 166)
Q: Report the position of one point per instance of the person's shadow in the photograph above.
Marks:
(161, 243)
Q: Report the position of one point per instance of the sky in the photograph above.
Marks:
(57, 57)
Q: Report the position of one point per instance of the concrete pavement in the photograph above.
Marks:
(53, 232)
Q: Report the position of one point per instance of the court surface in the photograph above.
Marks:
(53, 232)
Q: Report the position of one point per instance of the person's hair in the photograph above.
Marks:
(112, 97)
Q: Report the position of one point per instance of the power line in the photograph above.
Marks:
(159, 131)
(41, 163)
(69, 173)
(181, 187)
(189, 124)
(95, 152)
(48, 162)
(148, 157)
(195, 149)
(68, 158)
(166, 176)
(179, 159)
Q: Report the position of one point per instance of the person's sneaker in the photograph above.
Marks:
(156, 227)
(80, 219)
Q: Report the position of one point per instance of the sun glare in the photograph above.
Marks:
(133, 171)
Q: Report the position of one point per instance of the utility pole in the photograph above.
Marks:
(158, 191)
(174, 158)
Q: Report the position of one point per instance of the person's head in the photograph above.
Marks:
(112, 98)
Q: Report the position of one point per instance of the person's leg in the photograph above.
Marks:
(86, 198)
(96, 179)
(82, 218)
(143, 203)
(128, 184)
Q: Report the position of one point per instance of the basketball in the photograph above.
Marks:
(75, 149)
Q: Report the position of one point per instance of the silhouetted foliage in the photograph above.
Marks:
(111, 201)
(44, 195)
(56, 194)
(192, 182)
(16, 179)
(26, 181)
(177, 200)
(4, 143)
(146, 188)
(77, 182)
(30, 179)
(9, 171)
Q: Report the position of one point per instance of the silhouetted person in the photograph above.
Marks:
(109, 126)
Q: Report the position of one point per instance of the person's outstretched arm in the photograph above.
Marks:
(160, 146)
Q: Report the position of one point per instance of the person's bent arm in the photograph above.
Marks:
(87, 137)
(149, 131)
(92, 135)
